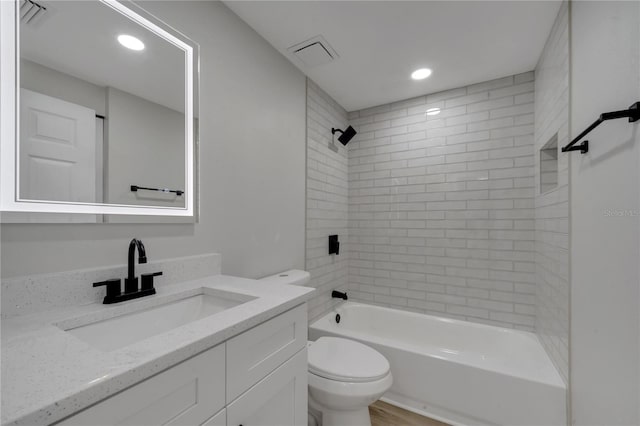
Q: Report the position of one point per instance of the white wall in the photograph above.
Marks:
(441, 207)
(144, 147)
(50, 82)
(552, 206)
(327, 204)
(252, 167)
(605, 214)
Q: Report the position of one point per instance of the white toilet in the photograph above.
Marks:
(345, 376)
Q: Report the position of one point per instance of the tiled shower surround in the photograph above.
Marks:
(552, 206)
(441, 207)
(327, 206)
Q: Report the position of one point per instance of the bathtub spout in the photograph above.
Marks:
(339, 295)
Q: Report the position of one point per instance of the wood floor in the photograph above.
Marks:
(383, 414)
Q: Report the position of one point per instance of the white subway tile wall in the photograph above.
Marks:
(327, 205)
(441, 207)
(552, 207)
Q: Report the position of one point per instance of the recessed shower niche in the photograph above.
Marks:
(549, 165)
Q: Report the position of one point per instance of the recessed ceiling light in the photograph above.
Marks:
(433, 111)
(421, 74)
(130, 42)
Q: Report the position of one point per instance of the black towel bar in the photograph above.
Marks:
(633, 113)
(178, 192)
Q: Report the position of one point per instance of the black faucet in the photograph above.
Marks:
(131, 282)
(131, 290)
(339, 295)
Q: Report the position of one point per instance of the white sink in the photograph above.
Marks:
(126, 329)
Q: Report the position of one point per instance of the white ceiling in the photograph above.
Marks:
(381, 42)
(79, 38)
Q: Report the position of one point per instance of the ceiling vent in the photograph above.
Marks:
(313, 52)
(30, 11)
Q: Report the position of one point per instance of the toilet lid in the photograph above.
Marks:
(346, 360)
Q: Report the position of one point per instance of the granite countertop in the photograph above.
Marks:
(48, 374)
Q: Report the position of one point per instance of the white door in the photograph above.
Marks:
(57, 153)
(57, 149)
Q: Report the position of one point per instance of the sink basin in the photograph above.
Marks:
(124, 330)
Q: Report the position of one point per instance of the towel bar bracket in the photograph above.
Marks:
(633, 113)
(583, 148)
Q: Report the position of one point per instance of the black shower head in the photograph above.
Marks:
(346, 135)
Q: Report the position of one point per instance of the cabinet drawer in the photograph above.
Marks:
(257, 352)
(277, 400)
(186, 394)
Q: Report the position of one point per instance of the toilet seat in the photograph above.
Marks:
(345, 360)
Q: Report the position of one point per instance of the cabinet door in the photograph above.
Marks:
(257, 352)
(280, 399)
(187, 394)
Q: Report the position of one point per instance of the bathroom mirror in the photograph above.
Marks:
(99, 113)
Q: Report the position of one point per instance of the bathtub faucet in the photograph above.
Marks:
(339, 295)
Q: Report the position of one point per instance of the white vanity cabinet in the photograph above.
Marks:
(252, 355)
(267, 373)
(188, 393)
(257, 378)
(277, 400)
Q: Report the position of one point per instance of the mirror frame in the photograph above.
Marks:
(10, 200)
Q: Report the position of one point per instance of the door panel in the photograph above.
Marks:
(57, 143)
(60, 157)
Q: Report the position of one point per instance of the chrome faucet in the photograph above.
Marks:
(131, 290)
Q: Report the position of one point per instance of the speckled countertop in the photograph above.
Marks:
(48, 374)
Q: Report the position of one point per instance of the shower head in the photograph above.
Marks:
(346, 135)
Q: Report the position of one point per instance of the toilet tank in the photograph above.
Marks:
(290, 277)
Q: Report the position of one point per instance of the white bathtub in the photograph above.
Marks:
(456, 371)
